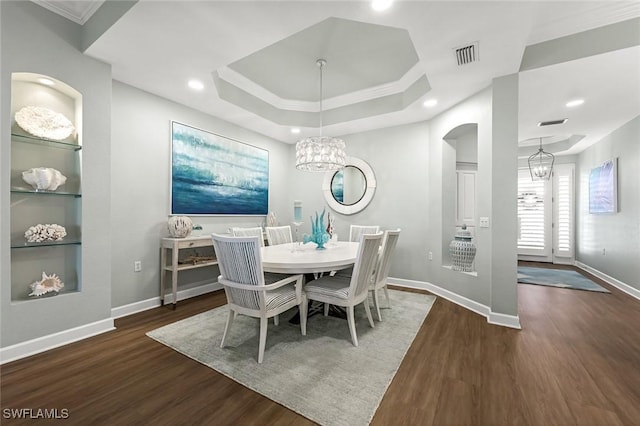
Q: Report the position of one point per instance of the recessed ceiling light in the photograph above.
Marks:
(196, 84)
(430, 103)
(295, 130)
(380, 5)
(46, 81)
(575, 102)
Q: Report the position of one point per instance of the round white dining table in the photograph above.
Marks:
(306, 258)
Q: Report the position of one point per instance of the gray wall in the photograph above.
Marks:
(618, 234)
(140, 188)
(36, 40)
(397, 156)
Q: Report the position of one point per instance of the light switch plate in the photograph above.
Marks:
(484, 222)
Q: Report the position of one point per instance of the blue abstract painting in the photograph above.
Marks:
(215, 175)
(603, 188)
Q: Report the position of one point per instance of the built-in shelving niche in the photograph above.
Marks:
(30, 207)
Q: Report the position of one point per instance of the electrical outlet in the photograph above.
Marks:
(484, 222)
(430, 255)
(604, 252)
(137, 266)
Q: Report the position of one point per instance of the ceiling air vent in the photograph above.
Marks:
(552, 122)
(467, 54)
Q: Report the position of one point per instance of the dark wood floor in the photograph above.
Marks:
(575, 362)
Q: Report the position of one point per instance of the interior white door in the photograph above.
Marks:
(534, 218)
(466, 203)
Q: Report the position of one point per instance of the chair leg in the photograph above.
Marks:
(304, 308)
(326, 309)
(227, 327)
(264, 322)
(276, 319)
(368, 310)
(386, 293)
(376, 303)
(352, 325)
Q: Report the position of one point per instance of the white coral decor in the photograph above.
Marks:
(44, 123)
(44, 178)
(47, 232)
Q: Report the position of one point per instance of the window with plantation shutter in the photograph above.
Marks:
(534, 216)
(563, 199)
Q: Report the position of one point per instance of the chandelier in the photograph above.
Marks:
(320, 153)
(541, 164)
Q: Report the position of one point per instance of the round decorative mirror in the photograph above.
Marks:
(350, 189)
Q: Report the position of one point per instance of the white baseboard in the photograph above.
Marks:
(41, 344)
(45, 343)
(154, 302)
(510, 321)
(631, 291)
(134, 308)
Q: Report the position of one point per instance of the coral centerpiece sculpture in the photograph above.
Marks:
(319, 234)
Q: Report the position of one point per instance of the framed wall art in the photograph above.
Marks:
(215, 175)
(603, 188)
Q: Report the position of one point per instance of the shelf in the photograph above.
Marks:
(62, 293)
(44, 192)
(24, 244)
(185, 266)
(45, 142)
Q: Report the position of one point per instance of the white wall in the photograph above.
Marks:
(140, 190)
(618, 234)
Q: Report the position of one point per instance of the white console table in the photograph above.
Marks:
(175, 245)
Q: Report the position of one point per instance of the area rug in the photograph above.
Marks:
(557, 278)
(321, 376)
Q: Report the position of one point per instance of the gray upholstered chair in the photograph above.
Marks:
(249, 232)
(350, 291)
(249, 291)
(389, 242)
(278, 235)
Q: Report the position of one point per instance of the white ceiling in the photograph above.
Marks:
(158, 46)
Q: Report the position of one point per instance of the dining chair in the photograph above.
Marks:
(250, 291)
(278, 235)
(249, 232)
(379, 281)
(349, 292)
(356, 231)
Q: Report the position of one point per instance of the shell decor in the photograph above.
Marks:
(44, 178)
(47, 232)
(179, 226)
(44, 123)
(272, 220)
(47, 284)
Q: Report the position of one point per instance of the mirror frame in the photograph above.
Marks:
(369, 191)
